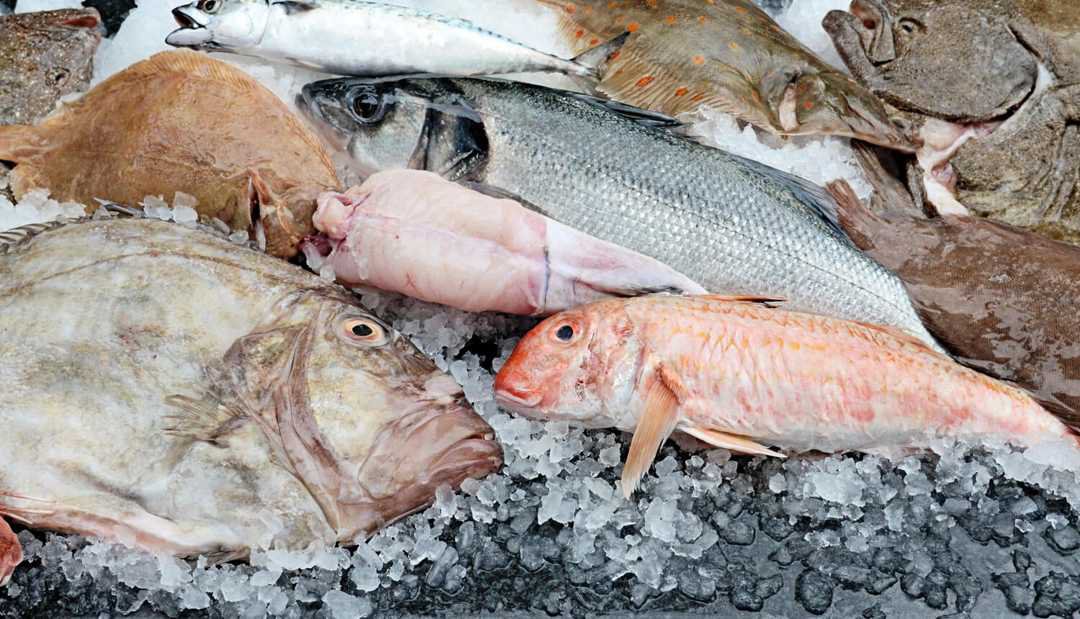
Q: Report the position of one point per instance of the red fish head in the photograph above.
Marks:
(547, 374)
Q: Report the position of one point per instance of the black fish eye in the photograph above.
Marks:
(368, 106)
(565, 333)
(210, 6)
(361, 330)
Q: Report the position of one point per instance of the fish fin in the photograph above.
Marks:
(189, 64)
(10, 239)
(293, 6)
(726, 440)
(10, 552)
(595, 60)
(769, 301)
(499, 193)
(636, 114)
(857, 221)
(206, 420)
(20, 143)
(1066, 415)
(658, 420)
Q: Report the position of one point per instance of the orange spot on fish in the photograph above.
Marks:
(681, 90)
(733, 45)
(651, 3)
(645, 81)
(808, 105)
(633, 26)
(740, 9)
(579, 33)
(612, 5)
(594, 41)
(614, 55)
(775, 28)
(670, 19)
(698, 59)
(702, 19)
(755, 96)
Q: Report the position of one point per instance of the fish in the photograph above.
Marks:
(1000, 299)
(45, 56)
(621, 175)
(181, 121)
(685, 56)
(168, 389)
(415, 233)
(353, 37)
(741, 374)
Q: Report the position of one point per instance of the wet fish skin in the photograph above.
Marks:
(418, 234)
(169, 389)
(181, 121)
(735, 226)
(999, 298)
(739, 374)
(687, 55)
(44, 56)
(389, 39)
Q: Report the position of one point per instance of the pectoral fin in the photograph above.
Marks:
(657, 422)
(10, 552)
(733, 442)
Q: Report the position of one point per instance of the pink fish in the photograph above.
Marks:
(417, 234)
(738, 373)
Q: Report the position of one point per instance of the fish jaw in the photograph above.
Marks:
(830, 103)
(239, 25)
(441, 442)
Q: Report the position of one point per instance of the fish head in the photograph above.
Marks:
(949, 60)
(819, 101)
(368, 422)
(571, 367)
(386, 124)
(220, 25)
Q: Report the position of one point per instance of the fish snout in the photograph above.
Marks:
(193, 31)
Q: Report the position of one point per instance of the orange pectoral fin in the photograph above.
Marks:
(657, 422)
(10, 552)
(733, 442)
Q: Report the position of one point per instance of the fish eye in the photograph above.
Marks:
(564, 333)
(909, 26)
(363, 331)
(368, 106)
(209, 6)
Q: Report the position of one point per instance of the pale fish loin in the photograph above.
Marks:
(168, 389)
(417, 234)
(739, 374)
(352, 37)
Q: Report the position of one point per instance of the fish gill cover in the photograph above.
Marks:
(970, 529)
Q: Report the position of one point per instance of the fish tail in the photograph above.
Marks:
(19, 142)
(857, 221)
(592, 63)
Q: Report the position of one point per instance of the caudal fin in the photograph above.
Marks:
(20, 142)
(854, 219)
(593, 62)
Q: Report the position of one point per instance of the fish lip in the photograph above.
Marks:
(193, 31)
(512, 401)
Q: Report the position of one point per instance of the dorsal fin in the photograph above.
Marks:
(744, 298)
(16, 237)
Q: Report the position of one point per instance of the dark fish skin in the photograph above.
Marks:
(734, 225)
(43, 57)
(1001, 299)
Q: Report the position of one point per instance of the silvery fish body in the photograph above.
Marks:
(353, 37)
(735, 226)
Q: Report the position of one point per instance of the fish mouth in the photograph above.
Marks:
(193, 31)
(513, 401)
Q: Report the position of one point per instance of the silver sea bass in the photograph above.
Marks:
(734, 225)
(351, 37)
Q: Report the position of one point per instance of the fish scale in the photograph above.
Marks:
(733, 225)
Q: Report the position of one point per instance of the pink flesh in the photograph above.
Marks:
(940, 141)
(417, 234)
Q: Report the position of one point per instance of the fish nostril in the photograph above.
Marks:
(869, 24)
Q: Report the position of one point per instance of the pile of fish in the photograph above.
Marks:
(255, 406)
